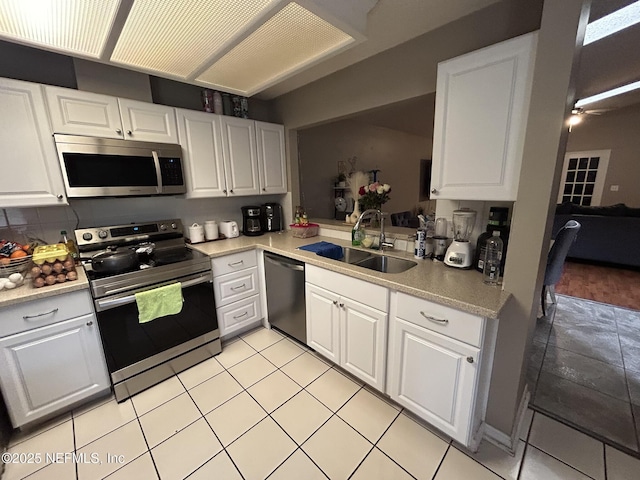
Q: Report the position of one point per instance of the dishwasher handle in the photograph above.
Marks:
(277, 261)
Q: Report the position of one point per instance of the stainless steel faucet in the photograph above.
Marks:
(382, 244)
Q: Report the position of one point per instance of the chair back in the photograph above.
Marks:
(558, 253)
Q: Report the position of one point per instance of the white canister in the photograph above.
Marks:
(196, 233)
(211, 230)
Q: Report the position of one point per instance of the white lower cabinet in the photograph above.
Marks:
(439, 364)
(345, 329)
(237, 292)
(46, 369)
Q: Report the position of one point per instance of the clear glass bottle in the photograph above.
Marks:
(357, 236)
(492, 259)
(70, 243)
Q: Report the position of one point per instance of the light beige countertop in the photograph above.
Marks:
(27, 291)
(461, 289)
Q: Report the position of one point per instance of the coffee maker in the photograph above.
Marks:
(251, 220)
(272, 217)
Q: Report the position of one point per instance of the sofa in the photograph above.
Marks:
(608, 234)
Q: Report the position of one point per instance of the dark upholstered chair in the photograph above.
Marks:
(555, 260)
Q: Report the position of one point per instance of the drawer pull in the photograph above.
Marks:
(241, 262)
(342, 305)
(29, 317)
(335, 302)
(470, 359)
(89, 323)
(441, 321)
(241, 315)
(243, 286)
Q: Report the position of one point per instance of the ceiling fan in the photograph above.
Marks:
(582, 111)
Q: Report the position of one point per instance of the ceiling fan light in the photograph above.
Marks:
(71, 26)
(294, 37)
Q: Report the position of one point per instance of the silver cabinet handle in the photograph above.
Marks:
(29, 317)
(264, 189)
(335, 302)
(231, 191)
(60, 197)
(243, 286)
(433, 190)
(129, 132)
(89, 323)
(442, 321)
(241, 262)
(118, 131)
(224, 191)
(240, 316)
(342, 305)
(470, 359)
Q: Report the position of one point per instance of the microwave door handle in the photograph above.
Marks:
(108, 304)
(156, 162)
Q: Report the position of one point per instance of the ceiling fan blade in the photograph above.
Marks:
(598, 111)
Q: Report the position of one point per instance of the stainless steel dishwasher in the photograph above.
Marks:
(285, 295)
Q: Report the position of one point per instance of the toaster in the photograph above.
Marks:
(229, 229)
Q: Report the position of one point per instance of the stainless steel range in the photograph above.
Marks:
(140, 355)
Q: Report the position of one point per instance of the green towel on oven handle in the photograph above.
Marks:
(159, 302)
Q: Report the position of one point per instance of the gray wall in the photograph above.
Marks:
(618, 131)
(396, 154)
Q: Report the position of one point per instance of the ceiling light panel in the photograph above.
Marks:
(292, 38)
(175, 37)
(72, 26)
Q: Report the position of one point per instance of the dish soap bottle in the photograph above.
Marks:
(71, 245)
(357, 235)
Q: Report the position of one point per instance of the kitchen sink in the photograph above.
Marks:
(353, 255)
(386, 264)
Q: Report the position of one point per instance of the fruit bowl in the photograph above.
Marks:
(14, 265)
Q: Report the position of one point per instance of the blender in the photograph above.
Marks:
(460, 254)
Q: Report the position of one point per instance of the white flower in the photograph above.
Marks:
(380, 189)
(386, 187)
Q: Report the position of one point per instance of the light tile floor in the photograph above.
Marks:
(268, 408)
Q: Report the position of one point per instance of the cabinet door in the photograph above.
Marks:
(76, 112)
(31, 172)
(323, 321)
(148, 122)
(271, 158)
(199, 133)
(482, 105)
(433, 376)
(240, 159)
(363, 342)
(50, 368)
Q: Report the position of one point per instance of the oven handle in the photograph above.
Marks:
(108, 304)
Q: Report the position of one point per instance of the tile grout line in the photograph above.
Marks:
(435, 474)
(558, 459)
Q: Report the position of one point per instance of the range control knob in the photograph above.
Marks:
(174, 226)
(102, 233)
(87, 236)
(163, 227)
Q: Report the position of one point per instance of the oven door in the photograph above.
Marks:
(132, 347)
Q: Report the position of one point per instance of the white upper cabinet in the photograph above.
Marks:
(31, 174)
(201, 139)
(148, 122)
(271, 158)
(75, 112)
(482, 105)
(240, 157)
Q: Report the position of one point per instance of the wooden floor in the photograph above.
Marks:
(615, 286)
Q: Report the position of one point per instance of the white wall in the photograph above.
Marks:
(45, 223)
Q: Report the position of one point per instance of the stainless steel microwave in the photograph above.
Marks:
(105, 167)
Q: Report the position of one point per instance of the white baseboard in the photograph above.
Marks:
(506, 442)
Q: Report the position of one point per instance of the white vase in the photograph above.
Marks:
(356, 212)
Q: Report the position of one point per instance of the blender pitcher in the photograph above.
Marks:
(460, 254)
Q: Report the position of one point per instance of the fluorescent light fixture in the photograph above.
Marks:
(608, 94)
(612, 23)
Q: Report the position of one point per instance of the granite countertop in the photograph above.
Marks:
(27, 291)
(461, 289)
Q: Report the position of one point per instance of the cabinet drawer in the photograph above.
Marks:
(235, 286)
(239, 314)
(234, 262)
(44, 311)
(364, 292)
(448, 321)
